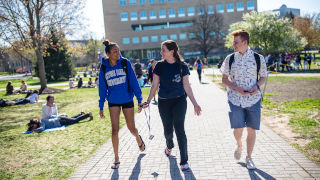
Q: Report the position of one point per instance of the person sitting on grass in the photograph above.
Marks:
(90, 84)
(71, 84)
(23, 87)
(80, 83)
(56, 121)
(9, 88)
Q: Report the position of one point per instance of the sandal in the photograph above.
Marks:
(142, 144)
(115, 165)
(167, 152)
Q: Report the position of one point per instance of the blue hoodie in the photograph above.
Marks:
(117, 92)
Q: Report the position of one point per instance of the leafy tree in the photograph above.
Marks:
(268, 32)
(57, 61)
(92, 50)
(309, 27)
(207, 30)
(30, 20)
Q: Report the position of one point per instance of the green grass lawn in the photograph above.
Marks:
(56, 154)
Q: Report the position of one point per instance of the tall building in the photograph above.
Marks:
(283, 10)
(139, 26)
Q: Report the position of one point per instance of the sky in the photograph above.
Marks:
(94, 15)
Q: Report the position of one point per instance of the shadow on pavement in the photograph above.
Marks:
(204, 83)
(254, 173)
(174, 169)
(137, 168)
(115, 175)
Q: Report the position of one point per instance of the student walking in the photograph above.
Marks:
(240, 73)
(118, 85)
(198, 64)
(173, 76)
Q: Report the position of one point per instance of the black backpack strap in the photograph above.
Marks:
(257, 58)
(124, 65)
(231, 60)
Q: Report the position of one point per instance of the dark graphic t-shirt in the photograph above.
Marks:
(170, 79)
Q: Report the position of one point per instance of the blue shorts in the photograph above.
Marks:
(245, 117)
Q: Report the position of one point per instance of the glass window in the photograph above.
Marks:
(152, 1)
(200, 10)
(133, 16)
(181, 12)
(143, 15)
(173, 37)
(250, 5)
(220, 8)
(212, 33)
(182, 36)
(192, 35)
(135, 40)
(132, 2)
(161, 1)
(222, 33)
(210, 9)
(124, 16)
(172, 13)
(126, 40)
(162, 13)
(230, 7)
(123, 2)
(190, 11)
(170, 0)
(145, 39)
(152, 14)
(142, 2)
(163, 37)
(154, 38)
(240, 6)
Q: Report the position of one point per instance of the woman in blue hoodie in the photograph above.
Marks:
(118, 85)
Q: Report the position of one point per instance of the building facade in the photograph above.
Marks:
(139, 26)
(283, 10)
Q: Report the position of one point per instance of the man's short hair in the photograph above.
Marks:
(242, 33)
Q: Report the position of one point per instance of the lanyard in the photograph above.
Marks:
(148, 122)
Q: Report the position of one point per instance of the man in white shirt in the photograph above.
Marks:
(244, 94)
(49, 109)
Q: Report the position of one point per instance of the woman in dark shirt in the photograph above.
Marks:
(173, 76)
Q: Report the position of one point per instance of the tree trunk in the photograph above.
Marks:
(42, 73)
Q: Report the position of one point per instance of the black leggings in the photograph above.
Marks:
(172, 112)
(75, 119)
(199, 73)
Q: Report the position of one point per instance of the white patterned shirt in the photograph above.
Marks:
(244, 75)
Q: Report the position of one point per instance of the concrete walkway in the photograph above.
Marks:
(210, 145)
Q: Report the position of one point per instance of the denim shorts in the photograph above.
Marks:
(245, 117)
(124, 105)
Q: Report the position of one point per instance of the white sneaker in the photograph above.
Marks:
(250, 164)
(237, 153)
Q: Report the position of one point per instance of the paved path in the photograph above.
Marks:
(210, 145)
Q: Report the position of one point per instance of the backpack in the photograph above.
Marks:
(256, 57)
(124, 65)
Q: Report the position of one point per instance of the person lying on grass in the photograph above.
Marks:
(56, 121)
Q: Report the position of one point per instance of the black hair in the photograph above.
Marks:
(31, 123)
(49, 96)
(108, 44)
